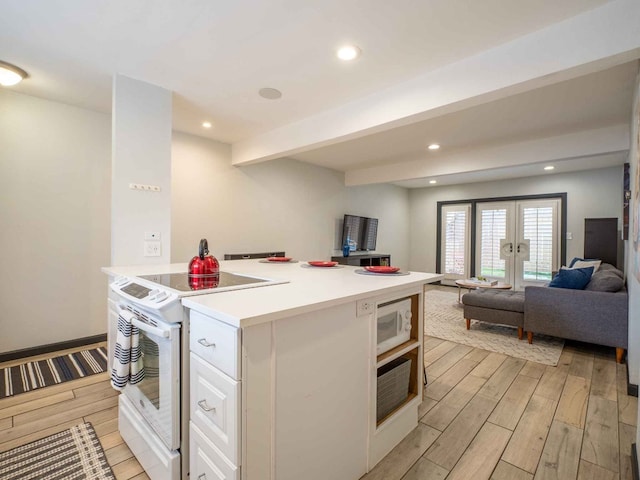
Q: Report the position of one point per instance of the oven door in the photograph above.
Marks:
(157, 396)
(388, 331)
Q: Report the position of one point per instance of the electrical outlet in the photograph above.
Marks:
(364, 307)
(152, 249)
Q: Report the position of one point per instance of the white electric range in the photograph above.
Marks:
(150, 412)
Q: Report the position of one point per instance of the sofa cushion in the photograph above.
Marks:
(610, 268)
(574, 278)
(605, 281)
(495, 299)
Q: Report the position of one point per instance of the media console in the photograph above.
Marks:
(357, 260)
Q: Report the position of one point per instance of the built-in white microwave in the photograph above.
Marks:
(394, 324)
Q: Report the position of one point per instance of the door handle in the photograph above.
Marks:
(511, 247)
(204, 343)
(203, 405)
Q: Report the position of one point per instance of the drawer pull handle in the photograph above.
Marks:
(202, 476)
(203, 405)
(204, 343)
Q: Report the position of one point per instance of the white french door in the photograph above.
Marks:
(518, 242)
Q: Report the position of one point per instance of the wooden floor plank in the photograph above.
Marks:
(489, 365)
(506, 471)
(600, 445)
(502, 379)
(552, 381)
(426, 405)
(627, 434)
(572, 408)
(440, 416)
(582, 365)
(627, 405)
(127, 469)
(533, 369)
(477, 355)
(515, 400)
(482, 456)
(437, 389)
(118, 454)
(528, 439)
(110, 440)
(561, 455)
(453, 442)
(426, 469)
(603, 380)
(404, 455)
(436, 353)
(589, 471)
(107, 427)
(6, 423)
(448, 360)
(36, 404)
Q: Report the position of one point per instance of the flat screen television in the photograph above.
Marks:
(363, 231)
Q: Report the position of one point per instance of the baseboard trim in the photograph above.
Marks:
(634, 462)
(52, 347)
(632, 390)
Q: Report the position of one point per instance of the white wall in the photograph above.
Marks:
(54, 186)
(280, 205)
(590, 194)
(633, 251)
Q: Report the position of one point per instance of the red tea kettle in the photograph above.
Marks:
(204, 264)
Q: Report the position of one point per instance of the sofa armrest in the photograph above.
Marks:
(587, 316)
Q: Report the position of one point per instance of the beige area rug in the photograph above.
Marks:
(443, 319)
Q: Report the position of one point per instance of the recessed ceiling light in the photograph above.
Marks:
(348, 52)
(434, 146)
(206, 124)
(549, 167)
(10, 74)
(270, 93)
(433, 181)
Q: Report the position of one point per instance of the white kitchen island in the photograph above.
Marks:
(280, 382)
(305, 375)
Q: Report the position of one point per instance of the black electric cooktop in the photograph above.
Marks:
(184, 282)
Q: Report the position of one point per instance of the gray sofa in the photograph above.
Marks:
(598, 314)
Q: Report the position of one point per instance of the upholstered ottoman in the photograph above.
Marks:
(505, 307)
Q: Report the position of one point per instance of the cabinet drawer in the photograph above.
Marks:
(205, 460)
(215, 407)
(216, 342)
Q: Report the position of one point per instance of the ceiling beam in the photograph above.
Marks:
(587, 143)
(595, 40)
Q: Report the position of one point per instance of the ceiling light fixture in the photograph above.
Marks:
(206, 124)
(348, 52)
(10, 74)
(434, 146)
(549, 167)
(270, 93)
(433, 182)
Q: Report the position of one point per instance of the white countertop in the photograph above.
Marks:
(309, 289)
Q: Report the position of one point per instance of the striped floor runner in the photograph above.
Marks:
(32, 375)
(73, 454)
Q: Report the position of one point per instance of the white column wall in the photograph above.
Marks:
(141, 132)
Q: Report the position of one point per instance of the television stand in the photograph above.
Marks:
(364, 260)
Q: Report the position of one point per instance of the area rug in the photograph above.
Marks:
(32, 375)
(73, 454)
(443, 319)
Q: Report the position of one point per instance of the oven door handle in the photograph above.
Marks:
(150, 329)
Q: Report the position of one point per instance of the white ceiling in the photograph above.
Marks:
(215, 56)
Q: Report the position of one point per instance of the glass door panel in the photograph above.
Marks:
(455, 241)
(494, 240)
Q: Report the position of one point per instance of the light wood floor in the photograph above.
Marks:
(484, 416)
(33, 415)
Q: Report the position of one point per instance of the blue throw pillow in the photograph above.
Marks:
(574, 278)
